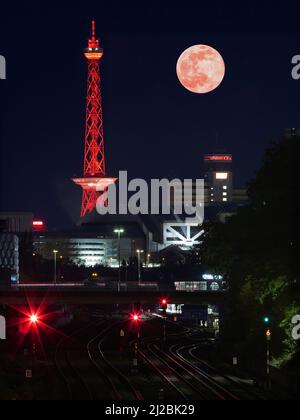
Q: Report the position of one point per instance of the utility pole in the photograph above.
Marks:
(55, 252)
(139, 253)
(119, 232)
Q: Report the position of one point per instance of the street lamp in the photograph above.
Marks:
(148, 260)
(119, 232)
(55, 252)
(139, 253)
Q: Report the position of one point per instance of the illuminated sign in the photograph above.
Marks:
(218, 158)
(222, 175)
(38, 225)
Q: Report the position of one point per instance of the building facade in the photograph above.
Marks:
(16, 222)
(89, 248)
(9, 259)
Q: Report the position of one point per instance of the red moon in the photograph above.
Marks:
(201, 69)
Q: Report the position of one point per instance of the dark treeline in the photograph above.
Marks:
(258, 251)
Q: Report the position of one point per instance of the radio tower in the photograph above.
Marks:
(94, 182)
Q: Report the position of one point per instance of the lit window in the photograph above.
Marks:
(225, 200)
(225, 194)
(221, 175)
(225, 187)
(215, 286)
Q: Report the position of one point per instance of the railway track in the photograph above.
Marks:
(185, 378)
(210, 379)
(187, 383)
(246, 392)
(120, 385)
(99, 379)
(75, 386)
(92, 373)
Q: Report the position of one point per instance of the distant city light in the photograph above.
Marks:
(221, 175)
(38, 223)
(119, 231)
(212, 277)
(218, 158)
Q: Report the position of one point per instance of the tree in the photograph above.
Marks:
(258, 250)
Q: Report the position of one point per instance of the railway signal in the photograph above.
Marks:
(136, 317)
(164, 303)
(269, 339)
(136, 312)
(34, 319)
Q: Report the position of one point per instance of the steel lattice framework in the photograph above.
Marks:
(94, 157)
(94, 181)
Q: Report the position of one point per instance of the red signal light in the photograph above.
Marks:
(135, 317)
(34, 319)
(164, 303)
(28, 323)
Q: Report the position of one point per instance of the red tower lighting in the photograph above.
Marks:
(94, 181)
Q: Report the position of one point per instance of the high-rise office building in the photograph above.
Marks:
(218, 178)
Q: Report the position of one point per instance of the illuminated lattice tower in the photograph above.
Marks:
(94, 182)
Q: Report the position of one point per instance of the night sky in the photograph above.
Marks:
(154, 128)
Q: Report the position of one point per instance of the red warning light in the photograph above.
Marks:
(164, 303)
(34, 319)
(29, 322)
(135, 317)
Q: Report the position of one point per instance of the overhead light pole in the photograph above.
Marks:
(139, 253)
(119, 232)
(55, 252)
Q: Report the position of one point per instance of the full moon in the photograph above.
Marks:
(201, 69)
